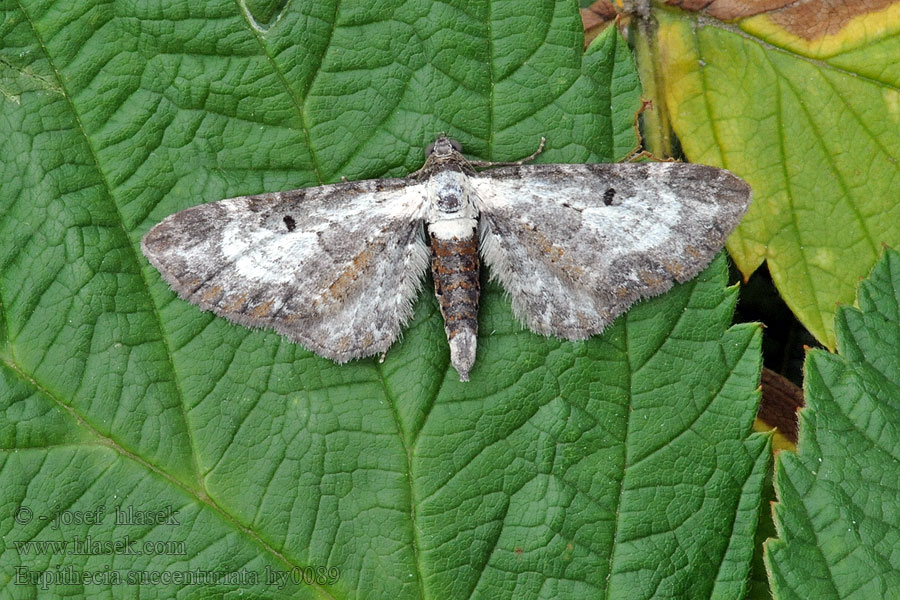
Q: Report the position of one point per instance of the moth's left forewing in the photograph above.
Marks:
(334, 268)
(576, 245)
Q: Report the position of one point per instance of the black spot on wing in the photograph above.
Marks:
(608, 196)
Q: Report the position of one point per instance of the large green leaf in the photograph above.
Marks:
(622, 465)
(839, 510)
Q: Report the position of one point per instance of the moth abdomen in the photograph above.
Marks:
(454, 267)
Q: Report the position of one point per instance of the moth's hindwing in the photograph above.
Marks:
(576, 245)
(335, 268)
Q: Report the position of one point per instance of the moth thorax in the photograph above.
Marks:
(450, 193)
(449, 198)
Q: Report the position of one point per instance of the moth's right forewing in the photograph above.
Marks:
(576, 245)
(334, 268)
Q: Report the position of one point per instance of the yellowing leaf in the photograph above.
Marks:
(803, 103)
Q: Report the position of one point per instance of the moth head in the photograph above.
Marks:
(443, 147)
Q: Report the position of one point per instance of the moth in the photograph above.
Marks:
(336, 268)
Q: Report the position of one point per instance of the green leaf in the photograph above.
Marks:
(839, 509)
(616, 465)
(803, 102)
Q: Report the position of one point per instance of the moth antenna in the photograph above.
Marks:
(518, 163)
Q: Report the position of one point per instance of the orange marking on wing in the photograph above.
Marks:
(556, 254)
(211, 293)
(340, 285)
(674, 267)
(342, 344)
(693, 252)
(650, 278)
(235, 303)
(262, 310)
